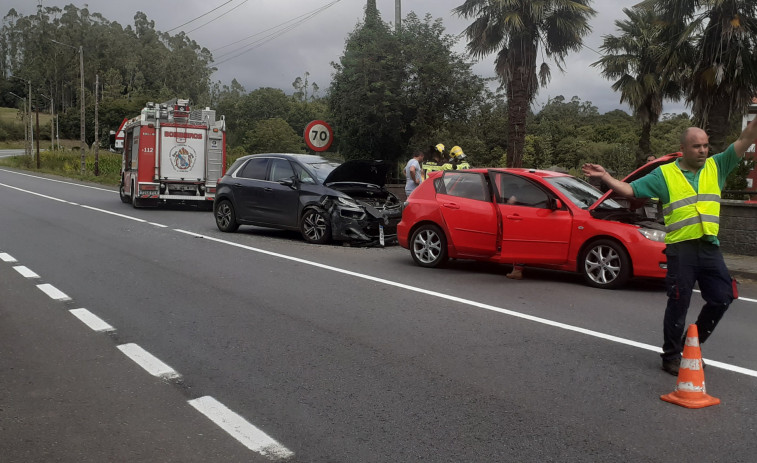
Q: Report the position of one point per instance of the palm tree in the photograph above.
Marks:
(635, 59)
(722, 76)
(516, 29)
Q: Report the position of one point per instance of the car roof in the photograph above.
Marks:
(517, 171)
(306, 158)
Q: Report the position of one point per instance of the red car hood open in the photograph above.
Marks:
(638, 173)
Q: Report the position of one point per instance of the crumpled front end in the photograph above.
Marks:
(368, 222)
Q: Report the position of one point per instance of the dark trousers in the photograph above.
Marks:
(690, 262)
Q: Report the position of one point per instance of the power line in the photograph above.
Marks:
(202, 15)
(218, 17)
(258, 43)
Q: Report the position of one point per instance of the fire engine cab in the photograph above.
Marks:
(172, 153)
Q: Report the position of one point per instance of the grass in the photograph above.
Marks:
(67, 163)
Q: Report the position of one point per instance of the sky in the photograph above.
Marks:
(269, 43)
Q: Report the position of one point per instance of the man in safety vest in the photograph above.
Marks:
(689, 190)
(457, 160)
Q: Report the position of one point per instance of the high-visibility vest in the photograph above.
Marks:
(690, 214)
(431, 166)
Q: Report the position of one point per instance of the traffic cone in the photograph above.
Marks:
(690, 391)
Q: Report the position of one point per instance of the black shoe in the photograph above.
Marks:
(671, 365)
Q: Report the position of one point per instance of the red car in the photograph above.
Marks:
(535, 217)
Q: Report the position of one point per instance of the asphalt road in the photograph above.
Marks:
(328, 353)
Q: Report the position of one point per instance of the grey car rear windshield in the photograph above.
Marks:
(581, 193)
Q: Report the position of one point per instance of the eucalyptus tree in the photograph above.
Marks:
(722, 73)
(634, 59)
(517, 30)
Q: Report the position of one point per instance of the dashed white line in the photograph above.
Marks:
(5, 257)
(148, 361)
(25, 271)
(53, 292)
(91, 320)
(239, 428)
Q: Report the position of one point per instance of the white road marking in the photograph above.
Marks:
(460, 300)
(25, 271)
(97, 209)
(35, 194)
(7, 257)
(148, 361)
(57, 181)
(158, 225)
(239, 428)
(480, 305)
(740, 298)
(91, 320)
(53, 292)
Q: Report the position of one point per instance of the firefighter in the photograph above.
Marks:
(457, 160)
(436, 159)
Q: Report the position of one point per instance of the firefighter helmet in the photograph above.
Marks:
(439, 148)
(457, 152)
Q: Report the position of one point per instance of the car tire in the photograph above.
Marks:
(605, 264)
(226, 218)
(428, 246)
(124, 197)
(315, 226)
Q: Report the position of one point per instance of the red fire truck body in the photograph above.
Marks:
(172, 153)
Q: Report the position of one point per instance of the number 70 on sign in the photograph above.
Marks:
(318, 136)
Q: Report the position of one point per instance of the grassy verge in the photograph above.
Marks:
(68, 164)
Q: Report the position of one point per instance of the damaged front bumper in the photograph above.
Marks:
(366, 226)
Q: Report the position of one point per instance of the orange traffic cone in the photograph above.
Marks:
(690, 391)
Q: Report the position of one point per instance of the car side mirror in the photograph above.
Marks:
(556, 204)
(290, 182)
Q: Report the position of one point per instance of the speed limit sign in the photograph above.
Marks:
(318, 136)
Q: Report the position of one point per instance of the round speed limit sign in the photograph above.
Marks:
(318, 136)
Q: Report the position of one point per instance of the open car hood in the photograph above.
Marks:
(361, 171)
(638, 173)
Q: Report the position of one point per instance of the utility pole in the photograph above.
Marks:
(397, 15)
(97, 129)
(83, 142)
(38, 137)
(81, 122)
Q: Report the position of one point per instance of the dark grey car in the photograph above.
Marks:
(322, 199)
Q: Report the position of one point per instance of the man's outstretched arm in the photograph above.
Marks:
(597, 171)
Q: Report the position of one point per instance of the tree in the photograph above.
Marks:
(721, 77)
(634, 59)
(515, 29)
(366, 92)
(273, 136)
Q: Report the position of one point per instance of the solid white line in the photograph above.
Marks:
(7, 257)
(97, 209)
(25, 271)
(53, 292)
(148, 361)
(739, 299)
(33, 193)
(468, 302)
(57, 181)
(158, 224)
(91, 320)
(239, 428)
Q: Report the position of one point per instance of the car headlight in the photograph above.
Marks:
(349, 202)
(652, 234)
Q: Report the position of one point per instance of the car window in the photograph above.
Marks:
(281, 169)
(303, 175)
(581, 193)
(254, 169)
(469, 185)
(517, 191)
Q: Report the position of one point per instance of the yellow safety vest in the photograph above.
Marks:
(691, 214)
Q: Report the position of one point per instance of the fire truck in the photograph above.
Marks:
(172, 153)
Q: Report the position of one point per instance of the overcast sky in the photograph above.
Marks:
(269, 43)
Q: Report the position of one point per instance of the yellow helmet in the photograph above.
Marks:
(439, 148)
(456, 152)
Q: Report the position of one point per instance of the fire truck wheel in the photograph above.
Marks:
(135, 201)
(315, 226)
(226, 218)
(124, 197)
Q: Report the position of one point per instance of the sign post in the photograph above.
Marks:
(318, 136)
